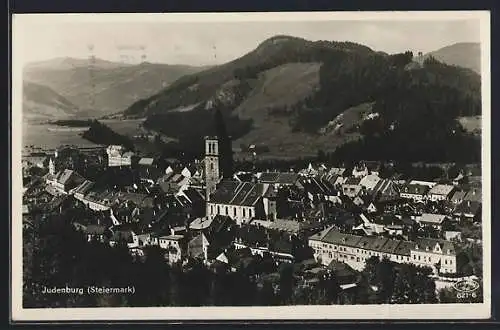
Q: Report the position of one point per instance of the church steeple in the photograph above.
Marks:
(212, 173)
(52, 166)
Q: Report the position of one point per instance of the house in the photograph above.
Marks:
(439, 255)
(310, 171)
(173, 183)
(429, 184)
(96, 232)
(278, 179)
(468, 209)
(372, 208)
(360, 171)
(414, 191)
(242, 201)
(370, 181)
(174, 246)
(394, 230)
(432, 220)
(191, 171)
(147, 162)
(337, 171)
(148, 239)
(119, 156)
(127, 236)
(64, 181)
(198, 247)
(354, 250)
(473, 195)
(440, 192)
(385, 190)
(452, 235)
(458, 197)
(80, 191)
(351, 187)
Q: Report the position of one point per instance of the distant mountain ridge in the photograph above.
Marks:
(104, 87)
(464, 54)
(288, 91)
(41, 102)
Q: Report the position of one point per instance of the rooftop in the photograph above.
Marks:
(441, 189)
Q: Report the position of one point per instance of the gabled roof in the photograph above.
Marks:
(84, 187)
(416, 189)
(468, 207)
(428, 245)
(441, 189)
(146, 161)
(458, 195)
(195, 246)
(432, 218)
(352, 181)
(474, 194)
(238, 193)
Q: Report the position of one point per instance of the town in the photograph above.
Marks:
(321, 221)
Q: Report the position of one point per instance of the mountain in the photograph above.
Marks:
(464, 54)
(299, 97)
(104, 87)
(41, 102)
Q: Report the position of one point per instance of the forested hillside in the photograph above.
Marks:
(414, 105)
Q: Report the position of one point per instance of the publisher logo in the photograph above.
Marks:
(466, 288)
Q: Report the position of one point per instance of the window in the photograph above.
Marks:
(451, 261)
(244, 212)
(419, 258)
(445, 261)
(218, 209)
(234, 211)
(414, 257)
(357, 259)
(227, 211)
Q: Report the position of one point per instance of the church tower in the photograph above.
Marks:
(52, 166)
(212, 175)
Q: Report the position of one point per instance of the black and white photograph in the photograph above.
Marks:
(251, 166)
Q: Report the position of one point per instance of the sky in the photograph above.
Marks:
(215, 41)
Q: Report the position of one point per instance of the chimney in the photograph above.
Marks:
(172, 231)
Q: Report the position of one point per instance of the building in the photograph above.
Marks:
(64, 181)
(212, 170)
(432, 220)
(351, 187)
(468, 209)
(360, 171)
(458, 197)
(414, 191)
(242, 201)
(440, 192)
(198, 247)
(369, 182)
(473, 195)
(119, 156)
(278, 179)
(330, 245)
(173, 244)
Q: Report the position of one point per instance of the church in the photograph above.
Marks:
(242, 201)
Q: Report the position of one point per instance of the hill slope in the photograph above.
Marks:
(466, 55)
(41, 102)
(287, 92)
(109, 87)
